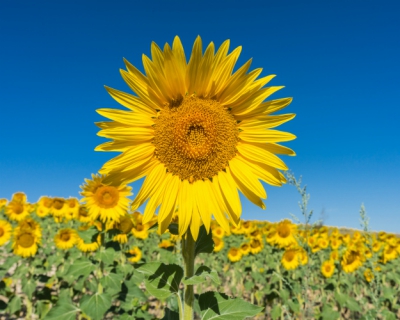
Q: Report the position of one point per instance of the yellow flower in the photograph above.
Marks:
(3, 203)
(44, 206)
(328, 268)
(17, 211)
(88, 247)
(109, 203)
(290, 259)
(284, 236)
(83, 215)
(218, 232)
(30, 225)
(247, 227)
(121, 238)
(141, 231)
(5, 232)
(197, 133)
(323, 243)
(236, 229)
(369, 275)
(303, 256)
(218, 244)
(19, 197)
(58, 207)
(334, 255)
(346, 239)
(165, 244)
(136, 255)
(234, 254)
(65, 238)
(335, 242)
(351, 260)
(389, 253)
(256, 245)
(245, 248)
(25, 243)
(72, 209)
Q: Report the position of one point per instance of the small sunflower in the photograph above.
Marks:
(328, 268)
(5, 232)
(17, 211)
(58, 208)
(19, 197)
(44, 206)
(141, 231)
(65, 238)
(88, 247)
(256, 245)
(106, 202)
(218, 244)
(83, 214)
(3, 203)
(234, 254)
(245, 248)
(30, 225)
(71, 209)
(389, 253)
(198, 133)
(334, 255)
(351, 260)
(368, 275)
(335, 242)
(323, 243)
(290, 259)
(25, 243)
(218, 232)
(136, 255)
(165, 244)
(284, 235)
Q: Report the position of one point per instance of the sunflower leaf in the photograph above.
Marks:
(95, 306)
(81, 267)
(200, 276)
(204, 242)
(161, 280)
(215, 305)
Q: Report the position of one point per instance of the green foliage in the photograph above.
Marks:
(96, 305)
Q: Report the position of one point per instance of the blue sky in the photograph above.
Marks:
(339, 60)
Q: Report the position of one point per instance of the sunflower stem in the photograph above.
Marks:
(188, 247)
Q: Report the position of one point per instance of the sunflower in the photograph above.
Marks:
(368, 275)
(389, 253)
(3, 203)
(106, 202)
(218, 232)
(234, 254)
(247, 227)
(65, 238)
(218, 244)
(334, 255)
(165, 244)
(197, 133)
(351, 260)
(30, 225)
(328, 268)
(284, 236)
(136, 255)
(19, 197)
(141, 231)
(5, 232)
(83, 215)
(323, 243)
(335, 242)
(43, 206)
(245, 248)
(16, 210)
(25, 243)
(256, 245)
(72, 209)
(290, 259)
(88, 247)
(58, 208)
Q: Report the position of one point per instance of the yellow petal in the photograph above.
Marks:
(195, 224)
(127, 117)
(186, 203)
(193, 68)
(265, 122)
(257, 152)
(203, 198)
(230, 194)
(265, 108)
(262, 136)
(242, 171)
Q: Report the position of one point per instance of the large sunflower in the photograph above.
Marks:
(196, 131)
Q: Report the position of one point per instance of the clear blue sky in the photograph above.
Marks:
(339, 60)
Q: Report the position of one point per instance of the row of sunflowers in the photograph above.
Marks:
(251, 258)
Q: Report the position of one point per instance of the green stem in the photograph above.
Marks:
(188, 257)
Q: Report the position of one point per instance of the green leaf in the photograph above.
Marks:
(329, 314)
(276, 312)
(161, 280)
(63, 311)
(200, 276)
(88, 235)
(14, 304)
(204, 242)
(81, 267)
(29, 287)
(170, 315)
(96, 306)
(106, 255)
(215, 305)
(112, 282)
(294, 306)
(347, 301)
(42, 308)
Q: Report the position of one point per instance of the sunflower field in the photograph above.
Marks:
(57, 263)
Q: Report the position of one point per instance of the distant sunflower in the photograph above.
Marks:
(3, 203)
(5, 232)
(256, 245)
(106, 202)
(141, 231)
(218, 244)
(135, 255)
(65, 238)
(368, 275)
(83, 214)
(328, 268)
(19, 197)
(44, 206)
(72, 209)
(17, 211)
(165, 244)
(58, 208)
(198, 133)
(351, 260)
(234, 254)
(218, 232)
(30, 225)
(334, 255)
(245, 248)
(285, 231)
(290, 259)
(25, 243)
(88, 247)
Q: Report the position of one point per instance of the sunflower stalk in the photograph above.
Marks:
(188, 252)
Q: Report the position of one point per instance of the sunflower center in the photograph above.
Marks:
(125, 225)
(18, 208)
(255, 243)
(107, 196)
(284, 231)
(1, 232)
(58, 204)
(289, 255)
(65, 236)
(234, 252)
(25, 240)
(196, 139)
(328, 268)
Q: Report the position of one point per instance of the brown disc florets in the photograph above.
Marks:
(195, 139)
